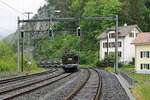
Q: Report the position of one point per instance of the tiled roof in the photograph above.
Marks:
(123, 30)
(142, 38)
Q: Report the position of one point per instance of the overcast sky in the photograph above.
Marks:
(10, 9)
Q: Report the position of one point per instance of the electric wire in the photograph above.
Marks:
(14, 9)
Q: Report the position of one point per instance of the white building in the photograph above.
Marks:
(126, 34)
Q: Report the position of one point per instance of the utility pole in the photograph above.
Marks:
(29, 62)
(116, 46)
(107, 49)
(22, 51)
(18, 45)
(86, 19)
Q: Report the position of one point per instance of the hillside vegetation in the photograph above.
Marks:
(129, 11)
(65, 38)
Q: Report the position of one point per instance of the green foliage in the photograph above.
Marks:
(129, 11)
(100, 63)
(53, 49)
(120, 64)
(132, 62)
(9, 58)
(110, 60)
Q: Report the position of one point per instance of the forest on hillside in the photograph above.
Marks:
(129, 11)
(65, 37)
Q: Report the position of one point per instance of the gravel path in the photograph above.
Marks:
(111, 88)
(53, 90)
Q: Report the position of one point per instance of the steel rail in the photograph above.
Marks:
(26, 85)
(71, 95)
(97, 96)
(3, 81)
(33, 89)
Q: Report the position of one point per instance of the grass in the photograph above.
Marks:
(141, 90)
(110, 69)
(8, 66)
(87, 66)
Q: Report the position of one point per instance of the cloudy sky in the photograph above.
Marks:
(10, 9)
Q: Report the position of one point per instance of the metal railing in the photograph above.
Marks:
(128, 76)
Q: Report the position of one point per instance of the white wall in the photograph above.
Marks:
(127, 49)
(103, 50)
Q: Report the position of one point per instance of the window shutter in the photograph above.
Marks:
(141, 66)
(141, 54)
(148, 67)
(147, 54)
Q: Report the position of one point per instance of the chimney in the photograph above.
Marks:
(125, 24)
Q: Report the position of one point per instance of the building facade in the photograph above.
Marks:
(126, 34)
(142, 53)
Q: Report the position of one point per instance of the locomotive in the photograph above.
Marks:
(70, 62)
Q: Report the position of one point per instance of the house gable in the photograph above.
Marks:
(122, 31)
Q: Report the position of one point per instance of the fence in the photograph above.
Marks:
(128, 76)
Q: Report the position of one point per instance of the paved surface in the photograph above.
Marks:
(111, 88)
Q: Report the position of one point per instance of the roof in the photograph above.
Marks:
(123, 30)
(142, 38)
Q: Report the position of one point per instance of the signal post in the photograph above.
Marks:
(79, 30)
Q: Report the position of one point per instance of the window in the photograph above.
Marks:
(131, 34)
(119, 54)
(145, 66)
(104, 45)
(111, 35)
(105, 54)
(113, 53)
(144, 54)
(111, 44)
(119, 44)
(136, 34)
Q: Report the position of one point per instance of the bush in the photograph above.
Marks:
(100, 63)
(120, 64)
(132, 62)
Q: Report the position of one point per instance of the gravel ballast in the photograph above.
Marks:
(89, 91)
(52, 89)
(111, 88)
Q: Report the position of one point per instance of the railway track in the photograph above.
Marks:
(86, 84)
(16, 78)
(21, 89)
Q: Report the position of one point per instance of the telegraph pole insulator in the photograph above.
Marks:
(78, 31)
